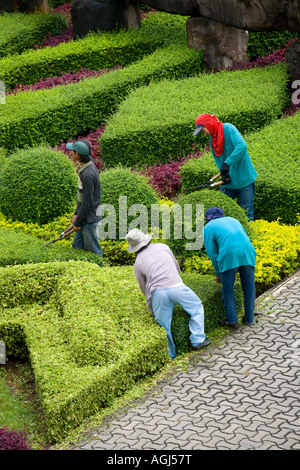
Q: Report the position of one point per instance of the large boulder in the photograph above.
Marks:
(251, 15)
(214, 24)
(104, 15)
(223, 45)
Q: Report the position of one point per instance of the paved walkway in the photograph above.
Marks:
(242, 394)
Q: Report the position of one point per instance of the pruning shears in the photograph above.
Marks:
(210, 184)
(64, 234)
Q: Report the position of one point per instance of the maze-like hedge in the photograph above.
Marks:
(88, 333)
(159, 119)
(84, 326)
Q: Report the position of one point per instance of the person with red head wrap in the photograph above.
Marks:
(230, 153)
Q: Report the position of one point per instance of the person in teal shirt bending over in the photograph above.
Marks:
(230, 152)
(230, 251)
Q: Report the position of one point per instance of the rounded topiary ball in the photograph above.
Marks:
(206, 198)
(37, 185)
(128, 194)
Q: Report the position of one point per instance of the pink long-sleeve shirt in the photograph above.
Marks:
(156, 268)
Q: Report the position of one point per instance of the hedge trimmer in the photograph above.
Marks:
(64, 234)
(210, 184)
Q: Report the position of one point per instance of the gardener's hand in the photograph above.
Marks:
(76, 229)
(226, 178)
(225, 173)
(218, 279)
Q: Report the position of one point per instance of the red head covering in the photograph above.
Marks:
(215, 128)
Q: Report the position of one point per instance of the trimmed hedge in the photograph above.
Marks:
(134, 189)
(262, 43)
(19, 248)
(88, 333)
(56, 114)
(275, 153)
(20, 31)
(37, 185)
(158, 121)
(208, 198)
(95, 51)
(87, 348)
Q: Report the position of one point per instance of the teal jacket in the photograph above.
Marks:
(227, 244)
(235, 154)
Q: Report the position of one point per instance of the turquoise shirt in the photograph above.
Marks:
(235, 154)
(227, 244)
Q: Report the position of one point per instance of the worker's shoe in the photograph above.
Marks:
(248, 324)
(235, 325)
(204, 343)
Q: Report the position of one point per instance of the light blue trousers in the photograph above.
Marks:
(163, 302)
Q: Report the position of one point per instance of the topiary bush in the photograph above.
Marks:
(122, 189)
(207, 198)
(37, 185)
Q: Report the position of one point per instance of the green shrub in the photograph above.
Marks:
(37, 185)
(95, 51)
(157, 122)
(20, 31)
(190, 229)
(210, 294)
(133, 189)
(59, 113)
(275, 153)
(19, 248)
(263, 43)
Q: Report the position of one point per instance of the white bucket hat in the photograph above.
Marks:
(137, 239)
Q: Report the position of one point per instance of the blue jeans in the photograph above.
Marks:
(88, 238)
(246, 195)
(248, 287)
(163, 302)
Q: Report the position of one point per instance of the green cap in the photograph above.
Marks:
(79, 147)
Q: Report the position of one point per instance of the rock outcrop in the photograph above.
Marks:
(250, 15)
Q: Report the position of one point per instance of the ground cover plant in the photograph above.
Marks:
(36, 299)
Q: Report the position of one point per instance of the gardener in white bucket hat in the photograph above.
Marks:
(157, 273)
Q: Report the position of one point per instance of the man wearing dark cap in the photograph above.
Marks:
(231, 251)
(87, 215)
